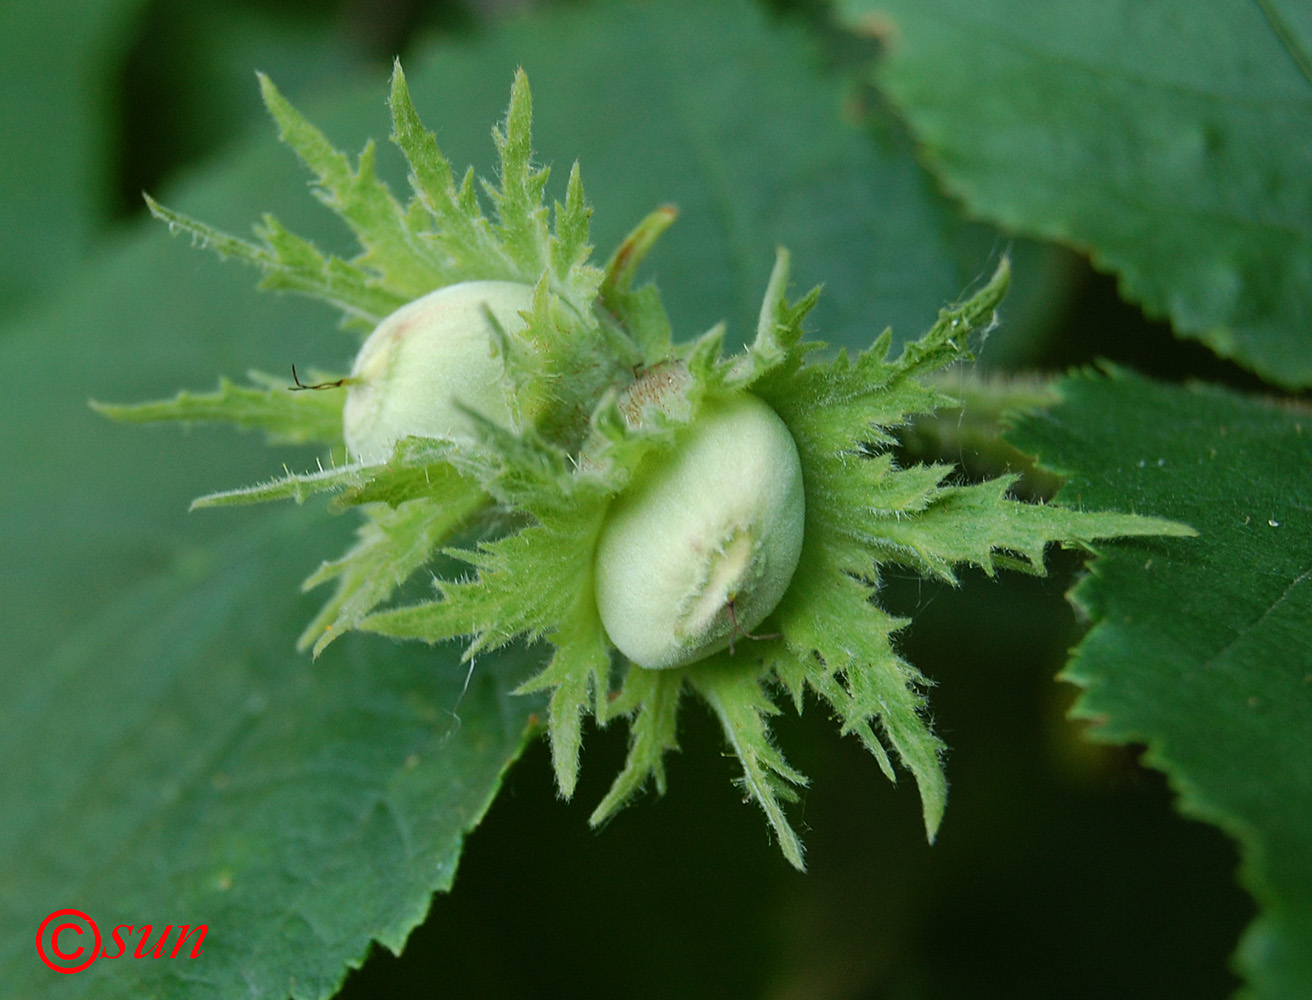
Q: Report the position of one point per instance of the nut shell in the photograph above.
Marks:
(426, 360)
(701, 547)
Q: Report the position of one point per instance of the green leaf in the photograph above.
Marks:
(466, 234)
(298, 486)
(497, 607)
(172, 758)
(521, 216)
(1167, 139)
(652, 698)
(59, 61)
(862, 512)
(440, 237)
(578, 676)
(292, 264)
(733, 690)
(981, 525)
(419, 469)
(640, 313)
(174, 761)
(149, 660)
(393, 543)
(1203, 647)
(731, 121)
(285, 417)
(840, 643)
(393, 248)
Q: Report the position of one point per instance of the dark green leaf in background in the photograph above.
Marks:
(56, 135)
(103, 96)
(173, 762)
(709, 108)
(1203, 647)
(1171, 140)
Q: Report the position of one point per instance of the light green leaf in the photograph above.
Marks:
(578, 676)
(981, 525)
(420, 468)
(1168, 139)
(733, 690)
(440, 237)
(521, 216)
(497, 607)
(1202, 648)
(652, 698)
(393, 543)
(286, 417)
(393, 248)
(639, 313)
(862, 511)
(292, 264)
(840, 644)
(298, 486)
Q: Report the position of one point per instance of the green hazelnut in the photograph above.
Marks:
(702, 545)
(429, 359)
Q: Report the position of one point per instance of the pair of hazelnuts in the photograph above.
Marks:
(695, 551)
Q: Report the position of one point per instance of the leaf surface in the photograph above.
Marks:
(175, 762)
(732, 120)
(57, 62)
(1169, 140)
(1203, 647)
(285, 417)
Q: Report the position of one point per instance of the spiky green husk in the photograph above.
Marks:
(530, 503)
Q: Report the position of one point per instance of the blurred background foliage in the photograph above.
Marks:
(1061, 869)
